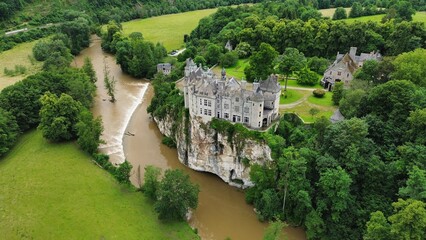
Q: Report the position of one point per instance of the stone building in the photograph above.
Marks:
(344, 67)
(165, 68)
(208, 96)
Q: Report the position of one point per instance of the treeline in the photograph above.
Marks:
(249, 26)
(136, 56)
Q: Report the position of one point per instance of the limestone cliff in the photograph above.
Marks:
(208, 150)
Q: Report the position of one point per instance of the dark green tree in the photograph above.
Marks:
(9, 131)
(338, 93)
(291, 61)
(89, 131)
(213, 54)
(58, 117)
(356, 10)
(261, 63)
(151, 181)
(349, 104)
(340, 13)
(88, 69)
(307, 77)
(176, 195)
(122, 172)
(415, 185)
(404, 10)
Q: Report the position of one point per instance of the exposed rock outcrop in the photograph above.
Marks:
(207, 150)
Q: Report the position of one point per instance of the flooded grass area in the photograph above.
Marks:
(54, 191)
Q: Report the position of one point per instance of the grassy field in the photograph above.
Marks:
(167, 29)
(292, 96)
(293, 83)
(54, 191)
(330, 11)
(418, 17)
(18, 55)
(324, 101)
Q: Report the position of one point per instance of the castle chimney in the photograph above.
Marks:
(352, 52)
(243, 84)
(255, 86)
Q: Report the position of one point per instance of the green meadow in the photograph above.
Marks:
(19, 55)
(167, 29)
(54, 191)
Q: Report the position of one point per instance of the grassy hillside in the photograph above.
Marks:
(54, 191)
(167, 29)
(418, 17)
(19, 55)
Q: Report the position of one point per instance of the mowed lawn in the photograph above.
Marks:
(236, 71)
(167, 29)
(324, 105)
(54, 191)
(19, 55)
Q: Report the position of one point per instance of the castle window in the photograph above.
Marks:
(205, 102)
(246, 119)
(339, 73)
(237, 108)
(260, 113)
(237, 99)
(347, 75)
(209, 103)
(209, 112)
(226, 106)
(201, 101)
(226, 115)
(201, 111)
(246, 110)
(218, 114)
(205, 111)
(260, 105)
(238, 119)
(258, 124)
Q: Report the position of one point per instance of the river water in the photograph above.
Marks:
(131, 134)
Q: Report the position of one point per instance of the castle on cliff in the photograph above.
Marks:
(208, 96)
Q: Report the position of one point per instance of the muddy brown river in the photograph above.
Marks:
(222, 211)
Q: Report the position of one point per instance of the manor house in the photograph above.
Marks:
(208, 96)
(344, 67)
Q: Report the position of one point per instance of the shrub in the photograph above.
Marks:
(319, 93)
(169, 142)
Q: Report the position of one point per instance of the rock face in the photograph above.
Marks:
(210, 151)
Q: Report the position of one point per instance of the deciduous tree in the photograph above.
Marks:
(176, 195)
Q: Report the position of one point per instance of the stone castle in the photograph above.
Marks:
(208, 96)
(344, 67)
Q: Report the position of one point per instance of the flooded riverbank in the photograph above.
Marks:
(222, 211)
